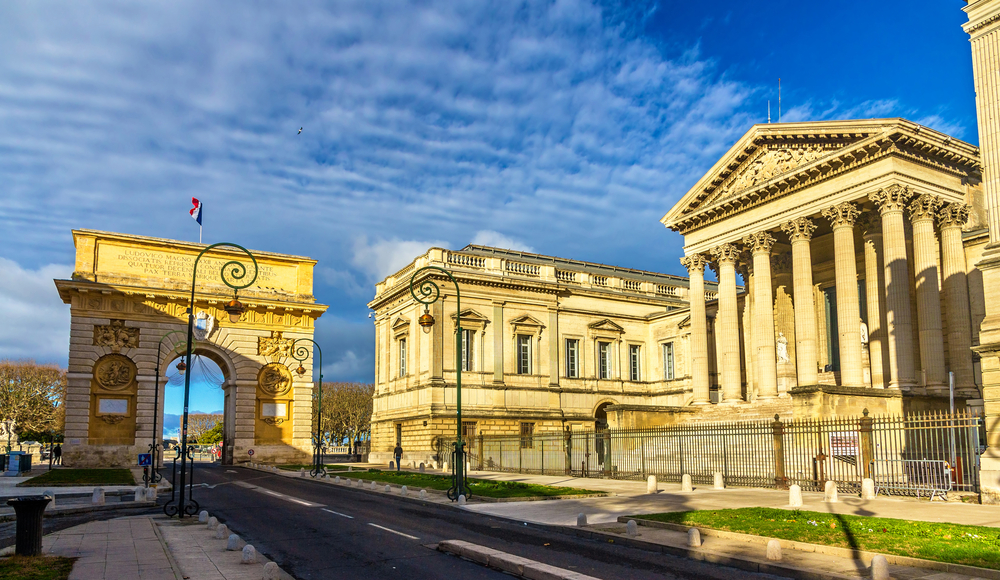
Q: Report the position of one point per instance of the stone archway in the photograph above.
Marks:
(127, 292)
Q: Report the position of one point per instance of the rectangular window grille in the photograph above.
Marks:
(468, 348)
(402, 357)
(634, 362)
(523, 354)
(572, 358)
(399, 433)
(527, 435)
(468, 430)
(604, 355)
(668, 361)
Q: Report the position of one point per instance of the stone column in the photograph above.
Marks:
(695, 265)
(878, 346)
(498, 339)
(891, 200)
(842, 218)
(727, 323)
(951, 218)
(760, 245)
(923, 210)
(800, 231)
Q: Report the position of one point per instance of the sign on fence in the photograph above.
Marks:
(145, 459)
(844, 443)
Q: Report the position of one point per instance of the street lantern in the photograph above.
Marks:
(426, 321)
(181, 366)
(235, 309)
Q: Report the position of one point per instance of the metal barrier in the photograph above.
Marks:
(908, 476)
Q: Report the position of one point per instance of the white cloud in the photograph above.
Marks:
(35, 318)
(381, 258)
(498, 240)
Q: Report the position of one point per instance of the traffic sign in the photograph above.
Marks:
(145, 459)
(250, 452)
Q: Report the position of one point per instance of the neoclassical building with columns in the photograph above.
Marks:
(844, 259)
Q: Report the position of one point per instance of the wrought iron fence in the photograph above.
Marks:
(896, 451)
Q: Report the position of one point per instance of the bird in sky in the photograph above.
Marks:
(300, 131)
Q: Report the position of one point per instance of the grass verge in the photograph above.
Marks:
(480, 487)
(66, 477)
(951, 543)
(37, 568)
(308, 466)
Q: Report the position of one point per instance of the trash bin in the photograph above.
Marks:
(29, 510)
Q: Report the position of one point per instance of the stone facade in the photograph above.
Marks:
(128, 292)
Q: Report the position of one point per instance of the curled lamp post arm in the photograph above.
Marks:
(301, 353)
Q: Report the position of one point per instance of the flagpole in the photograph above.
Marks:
(199, 233)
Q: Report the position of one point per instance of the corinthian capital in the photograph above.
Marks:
(842, 214)
(870, 224)
(891, 198)
(761, 242)
(953, 215)
(726, 253)
(925, 207)
(799, 229)
(695, 263)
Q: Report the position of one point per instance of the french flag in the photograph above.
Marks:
(196, 210)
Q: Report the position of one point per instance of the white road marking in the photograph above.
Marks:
(393, 531)
(339, 514)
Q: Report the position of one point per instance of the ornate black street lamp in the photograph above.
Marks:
(237, 271)
(301, 353)
(427, 294)
(181, 366)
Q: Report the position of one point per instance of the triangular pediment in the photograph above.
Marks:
(526, 320)
(772, 159)
(470, 315)
(399, 323)
(606, 326)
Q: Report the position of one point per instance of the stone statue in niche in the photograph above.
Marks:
(864, 333)
(782, 348)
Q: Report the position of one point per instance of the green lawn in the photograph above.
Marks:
(479, 487)
(953, 543)
(308, 466)
(66, 477)
(37, 568)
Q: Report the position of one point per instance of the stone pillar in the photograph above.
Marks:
(951, 218)
(891, 200)
(842, 218)
(727, 323)
(695, 265)
(760, 245)
(923, 210)
(498, 338)
(800, 231)
(878, 346)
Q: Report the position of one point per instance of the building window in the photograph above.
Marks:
(468, 430)
(523, 354)
(668, 361)
(604, 358)
(467, 349)
(634, 362)
(527, 435)
(402, 357)
(399, 434)
(572, 358)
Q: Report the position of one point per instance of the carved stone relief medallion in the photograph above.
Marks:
(274, 379)
(116, 335)
(114, 372)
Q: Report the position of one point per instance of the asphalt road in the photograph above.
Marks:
(315, 531)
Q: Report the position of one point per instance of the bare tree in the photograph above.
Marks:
(31, 395)
(199, 424)
(347, 411)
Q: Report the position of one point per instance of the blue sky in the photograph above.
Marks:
(567, 127)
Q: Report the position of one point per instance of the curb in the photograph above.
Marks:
(60, 512)
(862, 555)
(515, 565)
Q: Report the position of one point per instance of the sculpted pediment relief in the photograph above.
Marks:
(769, 163)
(526, 324)
(606, 326)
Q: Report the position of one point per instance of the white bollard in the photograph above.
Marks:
(350, 468)
(434, 464)
(98, 497)
(374, 485)
(444, 466)
(52, 498)
(651, 484)
(423, 494)
(461, 500)
(830, 492)
(387, 489)
(402, 491)
(720, 482)
(234, 544)
(151, 494)
(203, 517)
(392, 466)
(794, 496)
(249, 555)
(336, 479)
(632, 529)
(139, 494)
(421, 468)
(880, 568)
(867, 488)
(686, 483)
(213, 523)
(271, 571)
(326, 476)
(694, 538)
(302, 472)
(774, 550)
(581, 519)
(222, 532)
(468, 467)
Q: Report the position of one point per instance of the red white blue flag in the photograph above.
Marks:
(196, 210)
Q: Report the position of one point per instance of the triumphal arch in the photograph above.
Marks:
(128, 292)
